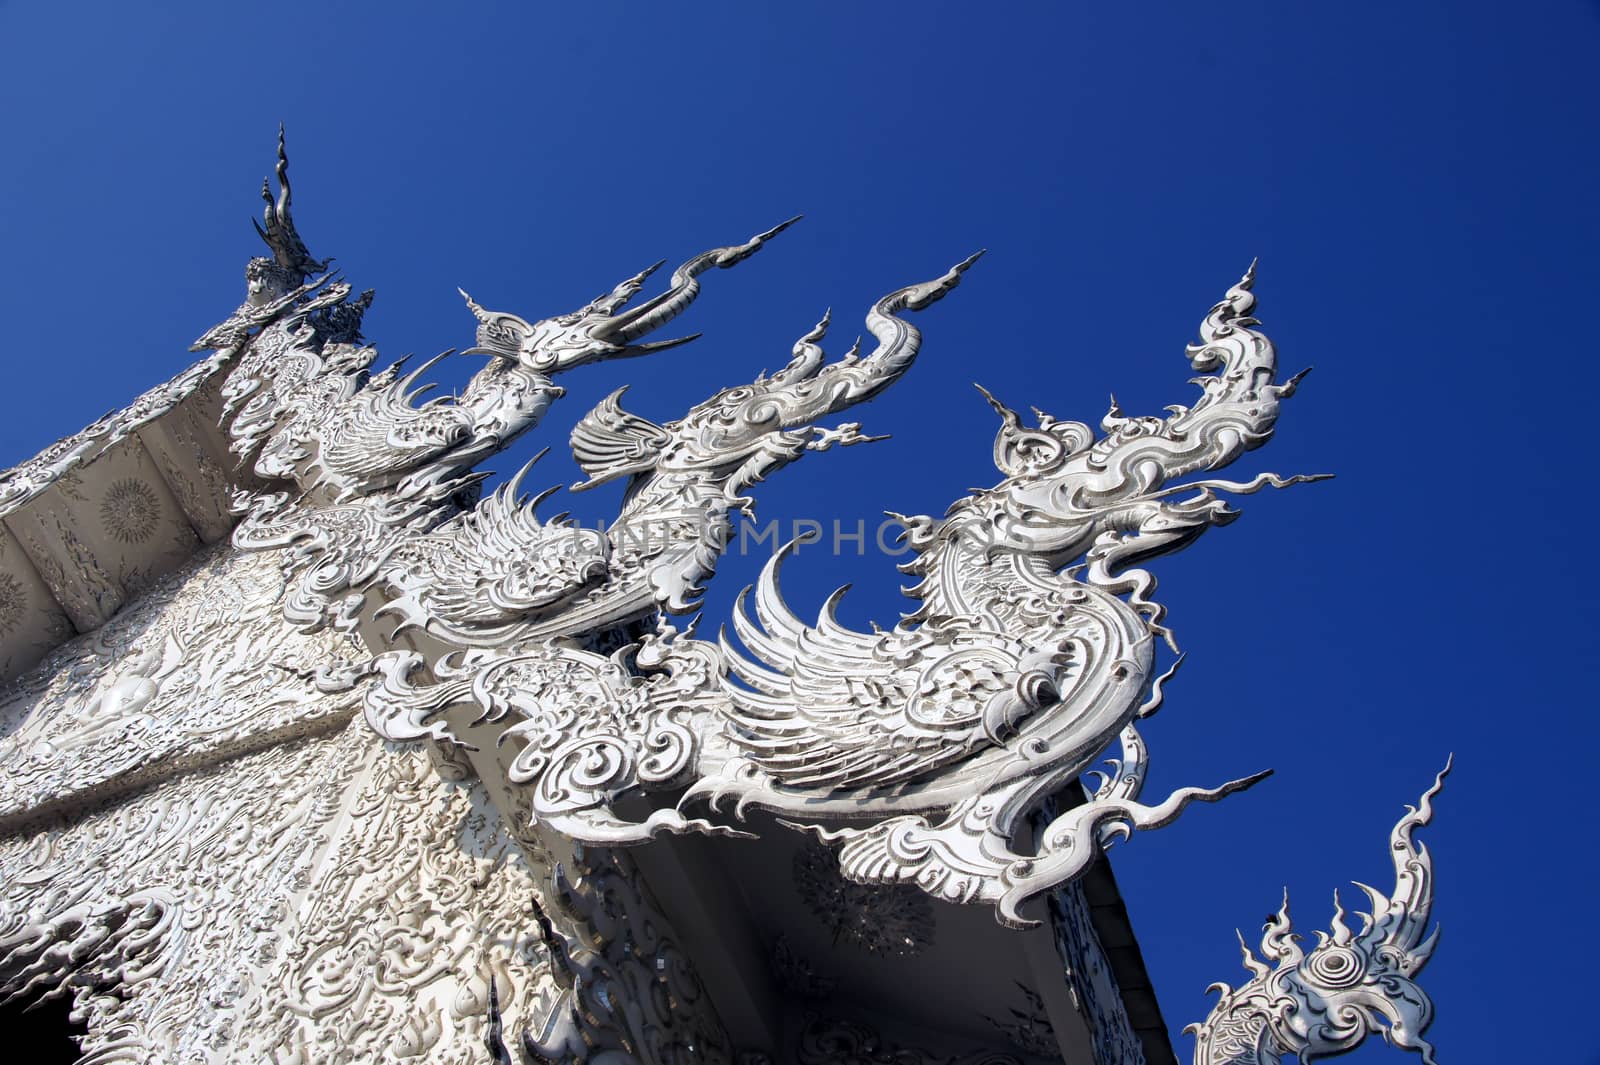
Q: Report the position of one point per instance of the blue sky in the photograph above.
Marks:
(1417, 180)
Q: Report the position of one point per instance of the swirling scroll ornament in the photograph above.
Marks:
(588, 730)
(1324, 1002)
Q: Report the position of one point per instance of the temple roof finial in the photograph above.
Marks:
(288, 250)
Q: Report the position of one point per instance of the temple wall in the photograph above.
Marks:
(329, 900)
(199, 668)
(204, 845)
(389, 948)
(222, 863)
(154, 908)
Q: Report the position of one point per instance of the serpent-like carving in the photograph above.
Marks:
(917, 748)
(1014, 674)
(496, 576)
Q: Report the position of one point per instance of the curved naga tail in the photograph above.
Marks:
(1324, 1002)
(604, 329)
(1013, 675)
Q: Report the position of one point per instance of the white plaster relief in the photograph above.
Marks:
(402, 925)
(157, 955)
(1323, 1002)
(201, 667)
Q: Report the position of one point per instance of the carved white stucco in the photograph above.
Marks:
(292, 888)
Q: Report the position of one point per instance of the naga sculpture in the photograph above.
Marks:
(918, 749)
(1323, 1002)
(370, 468)
(1013, 674)
(497, 576)
(941, 733)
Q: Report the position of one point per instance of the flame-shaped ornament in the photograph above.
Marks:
(1326, 1002)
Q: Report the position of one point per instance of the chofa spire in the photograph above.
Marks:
(288, 250)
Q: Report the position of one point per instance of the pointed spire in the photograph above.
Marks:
(288, 250)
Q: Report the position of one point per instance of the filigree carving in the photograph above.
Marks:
(377, 436)
(1007, 682)
(307, 410)
(416, 911)
(201, 667)
(154, 974)
(683, 481)
(895, 920)
(629, 992)
(1013, 674)
(1326, 1001)
(588, 729)
(470, 584)
(476, 577)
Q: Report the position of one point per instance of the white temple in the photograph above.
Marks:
(314, 752)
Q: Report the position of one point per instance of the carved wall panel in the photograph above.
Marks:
(202, 666)
(31, 620)
(192, 456)
(107, 529)
(152, 910)
(422, 902)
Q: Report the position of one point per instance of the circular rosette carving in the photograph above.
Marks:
(130, 512)
(1334, 968)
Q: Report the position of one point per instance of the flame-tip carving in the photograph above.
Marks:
(1326, 1001)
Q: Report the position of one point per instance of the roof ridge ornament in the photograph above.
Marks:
(289, 252)
(1327, 1001)
(285, 282)
(919, 749)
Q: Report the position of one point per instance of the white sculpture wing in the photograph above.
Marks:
(609, 442)
(833, 709)
(476, 577)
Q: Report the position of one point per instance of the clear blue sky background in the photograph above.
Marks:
(1418, 180)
